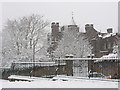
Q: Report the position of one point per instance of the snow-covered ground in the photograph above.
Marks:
(61, 82)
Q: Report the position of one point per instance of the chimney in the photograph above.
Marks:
(109, 30)
(53, 23)
(89, 25)
(57, 24)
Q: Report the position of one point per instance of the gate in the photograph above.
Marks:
(81, 67)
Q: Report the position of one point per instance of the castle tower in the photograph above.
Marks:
(55, 31)
(72, 21)
(90, 31)
(72, 26)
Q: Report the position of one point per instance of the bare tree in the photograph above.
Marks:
(25, 36)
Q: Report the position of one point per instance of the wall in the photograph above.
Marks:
(108, 67)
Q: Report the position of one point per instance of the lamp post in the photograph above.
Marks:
(91, 64)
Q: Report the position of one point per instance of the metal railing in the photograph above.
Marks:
(79, 67)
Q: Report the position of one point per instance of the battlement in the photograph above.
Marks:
(57, 24)
(53, 24)
(89, 25)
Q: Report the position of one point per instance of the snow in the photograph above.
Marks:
(72, 44)
(34, 62)
(29, 64)
(111, 55)
(99, 35)
(109, 35)
(21, 77)
(17, 45)
(69, 55)
(84, 59)
(61, 82)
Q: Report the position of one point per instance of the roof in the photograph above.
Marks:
(99, 35)
(73, 22)
(109, 35)
(111, 55)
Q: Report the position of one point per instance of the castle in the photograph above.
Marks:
(102, 43)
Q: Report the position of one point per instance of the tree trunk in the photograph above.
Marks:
(18, 50)
(33, 60)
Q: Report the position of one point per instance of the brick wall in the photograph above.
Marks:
(108, 67)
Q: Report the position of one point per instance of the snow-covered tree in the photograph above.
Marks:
(0, 48)
(73, 43)
(23, 38)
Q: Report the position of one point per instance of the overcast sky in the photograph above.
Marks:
(102, 14)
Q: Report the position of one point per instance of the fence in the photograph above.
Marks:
(82, 66)
(79, 67)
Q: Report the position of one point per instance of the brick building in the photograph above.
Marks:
(102, 44)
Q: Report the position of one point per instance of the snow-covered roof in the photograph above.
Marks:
(109, 35)
(111, 55)
(99, 35)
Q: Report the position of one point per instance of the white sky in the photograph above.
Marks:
(102, 14)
